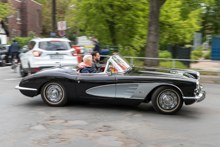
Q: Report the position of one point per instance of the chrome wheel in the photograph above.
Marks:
(168, 100)
(54, 93)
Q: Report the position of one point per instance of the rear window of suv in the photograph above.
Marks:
(54, 45)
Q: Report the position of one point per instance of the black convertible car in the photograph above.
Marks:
(119, 83)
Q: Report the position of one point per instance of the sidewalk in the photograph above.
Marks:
(209, 79)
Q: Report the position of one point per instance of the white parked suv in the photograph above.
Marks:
(47, 52)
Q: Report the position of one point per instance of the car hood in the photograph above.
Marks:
(186, 74)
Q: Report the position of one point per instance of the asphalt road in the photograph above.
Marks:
(29, 122)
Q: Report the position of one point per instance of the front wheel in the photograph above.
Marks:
(22, 72)
(54, 94)
(167, 100)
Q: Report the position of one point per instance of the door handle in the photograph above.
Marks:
(80, 80)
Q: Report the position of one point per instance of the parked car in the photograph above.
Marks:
(119, 83)
(45, 53)
(4, 56)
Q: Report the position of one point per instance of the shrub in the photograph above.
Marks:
(22, 41)
(208, 55)
(196, 54)
(165, 54)
(31, 34)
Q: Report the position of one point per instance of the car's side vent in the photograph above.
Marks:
(131, 90)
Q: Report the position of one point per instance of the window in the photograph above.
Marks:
(38, 18)
(18, 33)
(13, 33)
(54, 45)
(31, 45)
(18, 16)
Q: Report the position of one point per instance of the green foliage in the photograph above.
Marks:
(113, 22)
(6, 9)
(177, 26)
(165, 54)
(208, 55)
(196, 54)
(63, 13)
(169, 64)
(22, 41)
(31, 34)
(211, 23)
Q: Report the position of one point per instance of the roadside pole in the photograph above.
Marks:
(53, 15)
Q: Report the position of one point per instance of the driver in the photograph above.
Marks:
(85, 66)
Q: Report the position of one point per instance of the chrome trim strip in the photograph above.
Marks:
(24, 88)
(197, 98)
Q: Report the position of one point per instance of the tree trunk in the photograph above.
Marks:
(153, 32)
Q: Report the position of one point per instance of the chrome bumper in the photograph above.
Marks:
(24, 88)
(200, 97)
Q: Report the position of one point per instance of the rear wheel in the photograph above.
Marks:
(22, 72)
(54, 94)
(167, 100)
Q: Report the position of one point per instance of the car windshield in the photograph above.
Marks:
(118, 63)
(54, 45)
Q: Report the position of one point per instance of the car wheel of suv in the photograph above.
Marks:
(22, 72)
(3, 63)
(54, 94)
(167, 100)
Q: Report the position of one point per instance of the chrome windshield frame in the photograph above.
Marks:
(116, 65)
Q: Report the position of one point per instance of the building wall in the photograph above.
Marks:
(30, 18)
(34, 17)
(12, 21)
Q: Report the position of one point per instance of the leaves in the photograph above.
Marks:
(112, 22)
(5, 9)
(176, 27)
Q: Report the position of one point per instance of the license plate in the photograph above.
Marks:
(56, 56)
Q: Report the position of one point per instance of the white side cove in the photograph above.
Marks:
(128, 90)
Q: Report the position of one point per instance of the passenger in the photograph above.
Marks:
(95, 63)
(85, 66)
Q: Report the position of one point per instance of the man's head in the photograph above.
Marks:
(95, 56)
(95, 42)
(87, 59)
(14, 41)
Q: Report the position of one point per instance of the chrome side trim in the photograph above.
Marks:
(24, 88)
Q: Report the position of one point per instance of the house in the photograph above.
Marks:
(3, 33)
(26, 18)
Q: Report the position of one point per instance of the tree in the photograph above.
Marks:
(63, 13)
(112, 22)
(176, 25)
(211, 16)
(171, 23)
(5, 9)
(152, 46)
